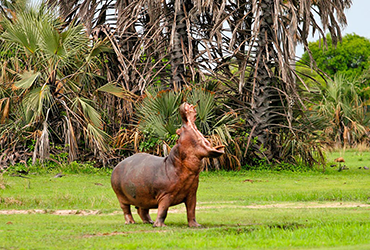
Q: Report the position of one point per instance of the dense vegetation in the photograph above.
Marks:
(342, 79)
(92, 84)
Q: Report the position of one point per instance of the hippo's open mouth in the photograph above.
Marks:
(188, 114)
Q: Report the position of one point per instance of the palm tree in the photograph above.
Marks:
(154, 41)
(342, 106)
(249, 46)
(273, 100)
(51, 72)
(132, 27)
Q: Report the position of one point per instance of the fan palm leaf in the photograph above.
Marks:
(158, 113)
(159, 119)
(97, 139)
(90, 114)
(58, 67)
(28, 78)
(36, 102)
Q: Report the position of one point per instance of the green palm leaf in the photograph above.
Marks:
(97, 138)
(205, 109)
(89, 112)
(28, 78)
(158, 113)
(36, 102)
(117, 91)
(58, 69)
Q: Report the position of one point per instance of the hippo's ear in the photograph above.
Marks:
(216, 151)
(178, 131)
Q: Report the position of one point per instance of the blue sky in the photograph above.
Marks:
(358, 21)
(358, 18)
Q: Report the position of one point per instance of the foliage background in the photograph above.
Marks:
(92, 91)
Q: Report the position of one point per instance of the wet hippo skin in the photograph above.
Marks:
(147, 181)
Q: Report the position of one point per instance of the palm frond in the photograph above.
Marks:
(97, 139)
(342, 106)
(23, 32)
(28, 78)
(70, 139)
(4, 110)
(89, 112)
(36, 102)
(120, 92)
(158, 113)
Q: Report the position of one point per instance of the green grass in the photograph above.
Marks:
(72, 191)
(230, 208)
(84, 191)
(354, 159)
(222, 228)
(284, 186)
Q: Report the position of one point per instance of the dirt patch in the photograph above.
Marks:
(56, 212)
(297, 205)
(10, 201)
(203, 206)
(309, 205)
(104, 234)
(121, 233)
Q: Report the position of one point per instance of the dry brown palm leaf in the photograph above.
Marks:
(70, 140)
(4, 110)
(127, 139)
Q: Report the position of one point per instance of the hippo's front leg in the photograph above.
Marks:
(163, 206)
(190, 204)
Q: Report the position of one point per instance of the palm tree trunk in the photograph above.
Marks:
(265, 99)
(179, 46)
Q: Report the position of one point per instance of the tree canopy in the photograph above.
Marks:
(349, 57)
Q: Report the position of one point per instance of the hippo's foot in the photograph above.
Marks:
(194, 224)
(144, 215)
(129, 219)
(159, 224)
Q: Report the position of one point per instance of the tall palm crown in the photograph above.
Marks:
(47, 74)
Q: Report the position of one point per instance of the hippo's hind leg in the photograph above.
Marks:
(144, 215)
(127, 213)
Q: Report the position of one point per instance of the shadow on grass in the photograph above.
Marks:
(226, 229)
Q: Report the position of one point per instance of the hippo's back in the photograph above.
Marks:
(136, 166)
(136, 175)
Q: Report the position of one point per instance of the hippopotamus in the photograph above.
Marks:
(147, 181)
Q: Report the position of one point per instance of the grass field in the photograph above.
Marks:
(246, 210)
